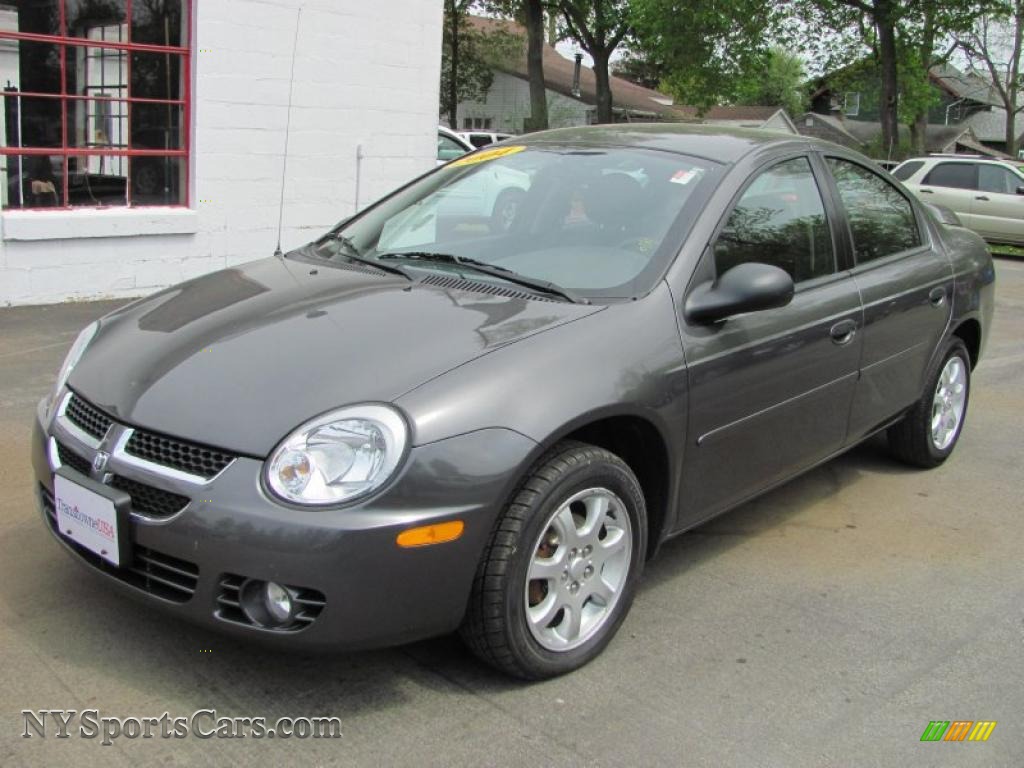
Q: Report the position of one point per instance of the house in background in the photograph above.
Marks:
(847, 101)
(507, 104)
(143, 143)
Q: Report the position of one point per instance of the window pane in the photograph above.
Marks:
(780, 220)
(954, 175)
(32, 181)
(31, 67)
(157, 126)
(97, 72)
(30, 121)
(96, 19)
(96, 123)
(159, 22)
(156, 76)
(158, 180)
(882, 220)
(907, 170)
(97, 180)
(40, 17)
(992, 178)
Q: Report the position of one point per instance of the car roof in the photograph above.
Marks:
(713, 142)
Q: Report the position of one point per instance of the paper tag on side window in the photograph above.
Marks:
(487, 154)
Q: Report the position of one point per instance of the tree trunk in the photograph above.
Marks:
(1013, 84)
(604, 87)
(919, 127)
(453, 79)
(538, 120)
(919, 133)
(887, 53)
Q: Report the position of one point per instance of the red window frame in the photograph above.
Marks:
(65, 152)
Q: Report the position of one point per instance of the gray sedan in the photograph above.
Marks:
(429, 420)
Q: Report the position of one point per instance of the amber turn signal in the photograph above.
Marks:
(438, 533)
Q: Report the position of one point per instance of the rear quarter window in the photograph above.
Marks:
(907, 169)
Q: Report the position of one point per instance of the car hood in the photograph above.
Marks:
(237, 359)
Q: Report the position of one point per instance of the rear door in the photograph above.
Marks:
(952, 183)
(997, 212)
(906, 284)
(770, 391)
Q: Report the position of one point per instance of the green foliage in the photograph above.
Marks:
(469, 56)
(705, 46)
(779, 82)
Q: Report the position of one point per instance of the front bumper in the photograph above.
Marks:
(363, 590)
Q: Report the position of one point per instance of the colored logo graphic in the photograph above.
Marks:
(958, 730)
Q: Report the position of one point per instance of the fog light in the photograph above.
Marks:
(266, 603)
(278, 602)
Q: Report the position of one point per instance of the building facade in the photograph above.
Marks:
(143, 141)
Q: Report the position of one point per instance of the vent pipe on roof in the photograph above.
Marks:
(576, 75)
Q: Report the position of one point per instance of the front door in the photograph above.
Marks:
(770, 391)
(998, 211)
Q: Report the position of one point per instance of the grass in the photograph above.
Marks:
(1006, 250)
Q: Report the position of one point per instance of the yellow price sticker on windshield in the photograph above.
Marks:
(485, 155)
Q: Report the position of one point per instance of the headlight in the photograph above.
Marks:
(339, 456)
(73, 356)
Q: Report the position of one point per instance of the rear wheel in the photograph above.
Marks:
(562, 567)
(929, 432)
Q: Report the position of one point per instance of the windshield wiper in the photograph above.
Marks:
(350, 252)
(502, 273)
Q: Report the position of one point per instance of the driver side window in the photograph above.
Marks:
(779, 220)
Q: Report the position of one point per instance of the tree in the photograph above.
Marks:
(995, 43)
(599, 27)
(468, 58)
(531, 14)
(640, 68)
(705, 46)
(779, 82)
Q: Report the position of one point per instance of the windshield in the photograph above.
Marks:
(599, 222)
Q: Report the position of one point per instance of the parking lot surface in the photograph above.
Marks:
(824, 624)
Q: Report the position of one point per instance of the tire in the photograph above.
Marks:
(528, 535)
(506, 208)
(912, 439)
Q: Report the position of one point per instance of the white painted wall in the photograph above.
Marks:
(366, 74)
(508, 104)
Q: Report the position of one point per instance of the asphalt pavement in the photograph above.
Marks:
(824, 624)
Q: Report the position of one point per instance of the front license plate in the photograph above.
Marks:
(88, 519)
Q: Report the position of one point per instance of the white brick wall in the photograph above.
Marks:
(365, 74)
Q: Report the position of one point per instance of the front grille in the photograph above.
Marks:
(193, 458)
(150, 501)
(310, 603)
(87, 417)
(159, 574)
(69, 458)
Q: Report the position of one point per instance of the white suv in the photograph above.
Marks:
(987, 195)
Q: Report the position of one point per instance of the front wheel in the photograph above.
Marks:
(560, 572)
(929, 432)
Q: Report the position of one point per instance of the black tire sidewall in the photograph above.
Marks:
(534, 658)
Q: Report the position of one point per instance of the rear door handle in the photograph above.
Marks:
(843, 332)
(937, 296)
(981, 197)
(926, 191)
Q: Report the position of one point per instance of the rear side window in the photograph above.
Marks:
(954, 175)
(779, 220)
(882, 220)
(992, 178)
(908, 169)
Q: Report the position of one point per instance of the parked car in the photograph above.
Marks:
(491, 428)
(483, 138)
(450, 145)
(987, 194)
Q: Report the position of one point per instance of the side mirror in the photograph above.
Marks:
(1020, 190)
(746, 287)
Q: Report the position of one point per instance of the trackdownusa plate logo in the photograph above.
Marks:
(958, 730)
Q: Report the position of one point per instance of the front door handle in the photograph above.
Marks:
(981, 197)
(937, 296)
(843, 332)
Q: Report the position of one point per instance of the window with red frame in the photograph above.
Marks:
(95, 103)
